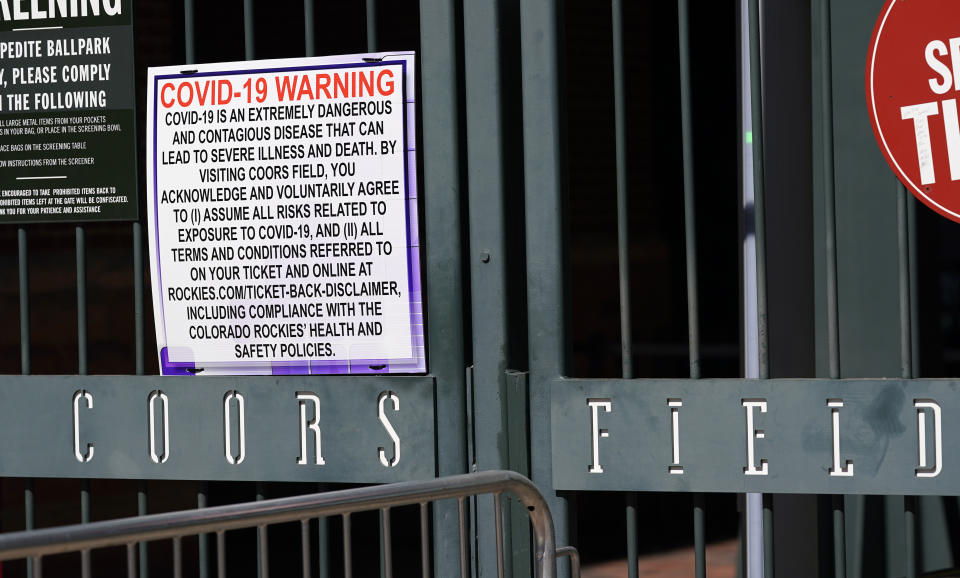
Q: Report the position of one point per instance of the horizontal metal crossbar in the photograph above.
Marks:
(127, 531)
(842, 436)
(281, 428)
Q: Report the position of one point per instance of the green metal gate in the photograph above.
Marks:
(517, 147)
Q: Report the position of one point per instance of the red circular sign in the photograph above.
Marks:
(913, 84)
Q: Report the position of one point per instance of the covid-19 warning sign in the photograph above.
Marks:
(68, 148)
(283, 216)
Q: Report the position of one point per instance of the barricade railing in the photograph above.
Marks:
(36, 544)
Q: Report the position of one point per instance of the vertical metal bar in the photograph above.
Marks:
(142, 511)
(768, 566)
(488, 203)
(190, 53)
(262, 554)
(749, 505)
(543, 183)
(387, 542)
(85, 519)
(575, 564)
(309, 35)
(347, 549)
(323, 545)
(699, 535)
(383, 564)
(910, 535)
(221, 555)
(323, 549)
(464, 559)
(29, 513)
(81, 301)
(756, 105)
(830, 245)
(305, 547)
(689, 205)
(471, 447)
(906, 359)
(474, 529)
(203, 540)
(248, 40)
(138, 297)
(830, 218)
(519, 554)
(24, 274)
(371, 25)
(29, 504)
(177, 557)
(903, 275)
(690, 248)
(543, 180)
(37, 563)
(623, 240)
(741, 536)
(81, 252)
(912, 267)
(440, 75)
(623, 249)
(24, 279)
(632, 561)
(754, 502)
(893, 549)
(82, 370)
(424, 541)
(857, 537)
(839, 539)
(131, 561)
(824, 543)
(498, 520)
(139, 338)
(441, 160)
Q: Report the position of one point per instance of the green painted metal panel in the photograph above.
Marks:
(543, 182)
(866, 206)
(442, 191)
(878, 431)
(36, 417)
(870, 279)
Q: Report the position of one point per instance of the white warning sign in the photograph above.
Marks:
(283, 216)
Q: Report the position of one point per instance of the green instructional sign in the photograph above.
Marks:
(67, 119)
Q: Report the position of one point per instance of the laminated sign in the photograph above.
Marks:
(283, 216)
(67, 123)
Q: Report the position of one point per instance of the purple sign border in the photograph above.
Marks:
(415, 365)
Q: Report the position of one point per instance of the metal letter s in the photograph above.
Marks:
(384, 396)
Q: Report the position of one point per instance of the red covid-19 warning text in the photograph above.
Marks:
(285, 87)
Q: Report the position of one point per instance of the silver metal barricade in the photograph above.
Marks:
(35, 544)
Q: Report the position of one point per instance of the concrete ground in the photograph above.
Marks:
(721, 563)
